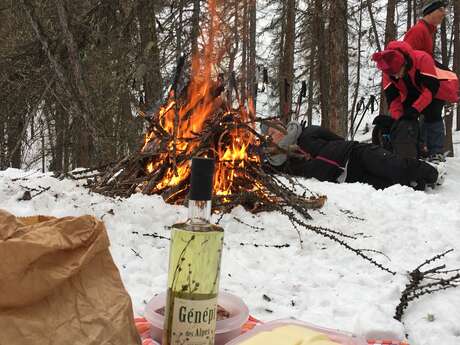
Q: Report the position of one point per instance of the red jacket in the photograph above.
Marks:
(422, 84)
(421, 36)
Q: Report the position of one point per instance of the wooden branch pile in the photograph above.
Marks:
(161, 165)
(251, 186)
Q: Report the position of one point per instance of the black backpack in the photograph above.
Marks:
(381, 132)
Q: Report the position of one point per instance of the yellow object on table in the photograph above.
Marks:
(289, 335)
(302, 334)
(271, 338)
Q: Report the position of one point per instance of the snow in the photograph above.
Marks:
(321, 282)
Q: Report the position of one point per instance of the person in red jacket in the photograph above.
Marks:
(412, 87)
(421, 37)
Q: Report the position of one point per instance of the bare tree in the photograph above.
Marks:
(244, 51)
(252, 70)
(456, 29)
(286, 65)
(448, 145)
(195, 26)
(338, 68)
(323, 56)
(314, 23)
(150, 66)
(390, 25)
(358, 72)
(390, 35)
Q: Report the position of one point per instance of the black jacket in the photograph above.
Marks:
(330, 154)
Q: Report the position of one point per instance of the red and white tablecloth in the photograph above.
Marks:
(143, 327)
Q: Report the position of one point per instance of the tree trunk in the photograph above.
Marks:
(244, 53)
(383, 103)
(311, 75)
(195, 31)
(43, 147)
(59, 115)
(74, 59)
(235, 37)
(456, 28)
(374, 26)
(444, 45)
(49, 113)
(312, 68)
(448, 117)
(390, 35)
(180, 30)
(151, 55)
(448, 121)
(281, 82)
(323, 56)
(67, 138)
(15, 126)
(286, 75)
(390, 26)
(338, 68)
(358, 74)
(83, 96)
(409, 15)
(80, 148)
(127, 126)
(252, 70)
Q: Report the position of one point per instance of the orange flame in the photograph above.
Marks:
(183, 121)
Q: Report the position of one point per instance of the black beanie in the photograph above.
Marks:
(432, 6)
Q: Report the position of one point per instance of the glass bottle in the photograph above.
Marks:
(194, 266)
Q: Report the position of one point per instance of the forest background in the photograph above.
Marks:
(76, 76)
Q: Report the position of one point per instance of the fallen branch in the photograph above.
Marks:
(418, 285)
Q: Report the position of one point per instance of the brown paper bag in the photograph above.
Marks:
(59, 284)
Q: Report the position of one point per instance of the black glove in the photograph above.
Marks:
(410, 114)
(383, 121)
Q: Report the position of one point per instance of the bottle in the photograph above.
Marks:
(194, 266)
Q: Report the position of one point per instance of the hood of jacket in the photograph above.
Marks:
(401, 46)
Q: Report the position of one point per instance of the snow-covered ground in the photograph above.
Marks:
(321, 283)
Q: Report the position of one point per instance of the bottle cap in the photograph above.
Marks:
(201, 179)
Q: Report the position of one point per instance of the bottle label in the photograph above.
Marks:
(194, 322)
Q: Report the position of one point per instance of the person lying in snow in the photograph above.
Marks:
(316, 152)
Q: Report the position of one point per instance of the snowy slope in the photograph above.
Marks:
(322, 282)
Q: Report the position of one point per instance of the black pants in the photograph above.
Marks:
(433, 112)
(380, 168)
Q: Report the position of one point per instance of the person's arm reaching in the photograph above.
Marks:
(393, 98)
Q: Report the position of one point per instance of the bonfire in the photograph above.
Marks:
(197, 119)
(198, 122)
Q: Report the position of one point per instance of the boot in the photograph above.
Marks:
(442, 171)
